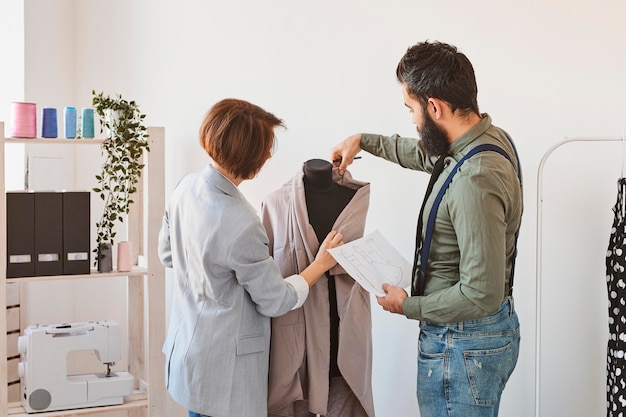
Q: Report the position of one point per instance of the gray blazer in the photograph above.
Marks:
(226, 288)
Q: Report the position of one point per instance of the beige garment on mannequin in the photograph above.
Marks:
(341, 403)
(300, 342)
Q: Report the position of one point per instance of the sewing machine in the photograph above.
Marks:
(45, 383)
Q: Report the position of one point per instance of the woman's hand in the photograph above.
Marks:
(323, 260)
(332, 240)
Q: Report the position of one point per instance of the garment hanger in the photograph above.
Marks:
(623, 149)
(622, 180)
(539, 254)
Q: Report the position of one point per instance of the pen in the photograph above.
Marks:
(339, 160)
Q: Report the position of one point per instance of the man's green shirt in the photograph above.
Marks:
(473, 242)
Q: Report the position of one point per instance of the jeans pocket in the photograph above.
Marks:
(431, 363)
(488, 371)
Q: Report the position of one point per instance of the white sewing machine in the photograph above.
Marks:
(45, 383)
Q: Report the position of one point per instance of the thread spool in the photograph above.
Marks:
(124, 256)
(87, 123)
(23, 120)
(49, 122)
(69, 117)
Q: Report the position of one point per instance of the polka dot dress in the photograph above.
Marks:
(616, 285)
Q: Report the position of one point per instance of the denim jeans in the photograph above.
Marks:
(192, 414)
(462, 368)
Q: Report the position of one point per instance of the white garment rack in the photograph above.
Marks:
(538, 288)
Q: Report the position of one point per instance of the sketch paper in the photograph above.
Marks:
(372, 261)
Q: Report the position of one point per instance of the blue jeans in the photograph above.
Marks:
(192, 414)
(462, 368)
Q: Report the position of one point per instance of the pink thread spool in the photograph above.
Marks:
(124, 257)
(23, 120)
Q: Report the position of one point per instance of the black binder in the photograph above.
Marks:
(76, 233)
(20, 216)
(48, 233)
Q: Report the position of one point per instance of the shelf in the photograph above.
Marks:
(134, 401)
(93, 275)
(145, 297)
(55, 141)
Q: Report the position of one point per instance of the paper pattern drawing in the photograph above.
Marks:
(372, 261)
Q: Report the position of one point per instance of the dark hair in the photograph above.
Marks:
(239, 136)
(439, 70)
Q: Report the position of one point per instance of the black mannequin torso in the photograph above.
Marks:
(325, 200)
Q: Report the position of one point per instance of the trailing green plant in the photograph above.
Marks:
(123, 150)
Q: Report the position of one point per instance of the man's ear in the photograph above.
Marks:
(437, 108)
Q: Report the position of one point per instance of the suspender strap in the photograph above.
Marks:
(519, 176)
(433, 212)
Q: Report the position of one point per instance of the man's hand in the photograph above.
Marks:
(343, 154)
(392, 302)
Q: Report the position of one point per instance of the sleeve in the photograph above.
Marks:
(255, 269)
(302, 288)
(165, 247)
(164, 243)
(406, 152)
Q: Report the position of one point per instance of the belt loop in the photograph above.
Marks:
(460, 326)
(511, 306)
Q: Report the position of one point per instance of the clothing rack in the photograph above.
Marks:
(538, 287)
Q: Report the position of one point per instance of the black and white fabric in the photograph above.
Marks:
(616, 286)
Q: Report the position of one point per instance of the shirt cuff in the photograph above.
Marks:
(302, 289)
(412, 307)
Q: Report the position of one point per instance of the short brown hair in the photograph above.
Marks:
(239, 136)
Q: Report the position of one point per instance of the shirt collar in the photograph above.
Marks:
(468, 137)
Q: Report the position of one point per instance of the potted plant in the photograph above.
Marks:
(121, 170)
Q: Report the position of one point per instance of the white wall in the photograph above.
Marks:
(545, 70)
(12, 43)
(12, 82)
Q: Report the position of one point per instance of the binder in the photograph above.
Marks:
(48, 233)
(76, 233)
(20, 217)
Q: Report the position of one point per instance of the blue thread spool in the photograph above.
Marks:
(49, 122)
(87, 123)
(69, 116)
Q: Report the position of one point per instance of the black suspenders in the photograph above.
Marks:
(421, 274)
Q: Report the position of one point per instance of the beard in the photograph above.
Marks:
(433, 137)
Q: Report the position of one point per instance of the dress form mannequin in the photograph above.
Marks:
(325, 200)
(308, 342)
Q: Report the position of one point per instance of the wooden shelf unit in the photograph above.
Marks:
(145, 287)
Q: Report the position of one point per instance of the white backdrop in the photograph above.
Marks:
(545, 70)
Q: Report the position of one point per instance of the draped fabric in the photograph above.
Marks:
(616, 286)
(300, 342)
